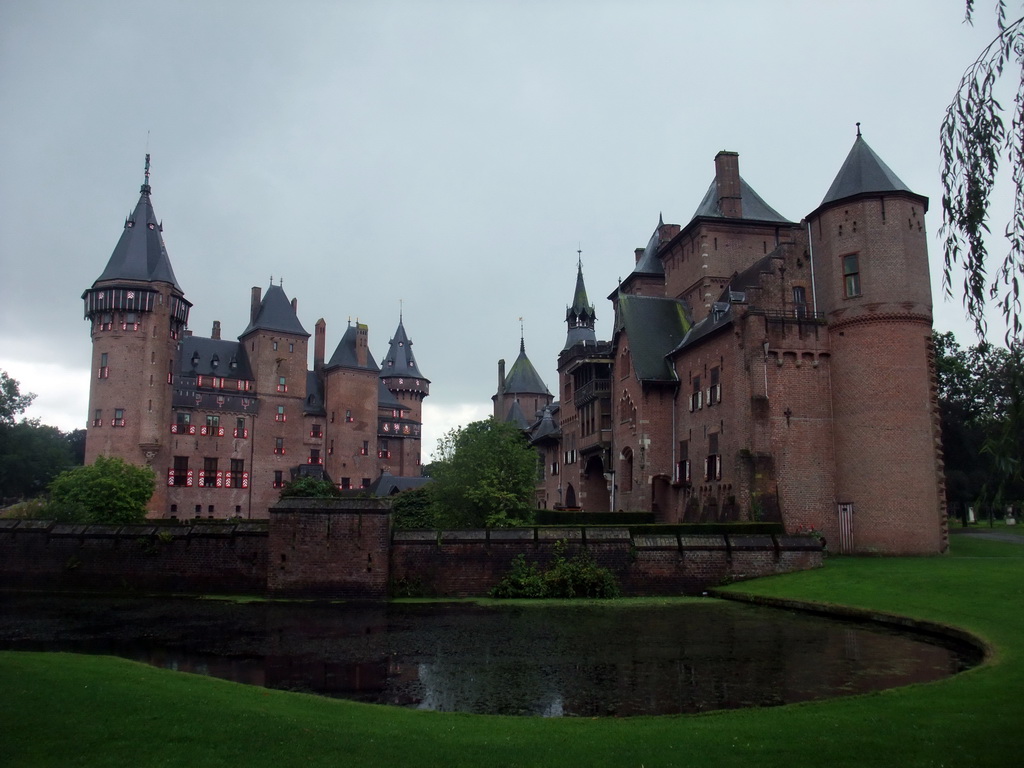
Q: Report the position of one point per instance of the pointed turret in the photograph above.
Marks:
(580, 316)
(863, 173)
(275, 313)
(399, 360)
(140, 254)
(401, 379)
(522, 384)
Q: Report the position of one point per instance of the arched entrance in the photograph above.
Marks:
(570, 496)
(661, 498)
(594, 487)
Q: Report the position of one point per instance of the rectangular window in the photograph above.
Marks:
(279, 446)
(683, 464)
(180, 475)
(316, 431)
(799, 301)
(291, 347)
(282, 385)
(97, 419)
(240, 430)
(278, 478)
(366, 482)
(212, 428)
(315, 457)
(238, 478)
(209, 476)
(346, 483)
(696, 396)
(348, 416)
(103, 371)
(851, 275)
(713, 463)
(280, 415)
(715, 388)
(365, 450)
(118, 420)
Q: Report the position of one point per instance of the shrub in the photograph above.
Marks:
(109, 491)
(579, 576)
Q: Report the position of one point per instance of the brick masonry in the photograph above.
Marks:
(311, 549)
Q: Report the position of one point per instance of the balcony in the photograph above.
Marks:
(592, 390)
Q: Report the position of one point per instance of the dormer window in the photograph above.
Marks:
(215, 361)
(195, 359)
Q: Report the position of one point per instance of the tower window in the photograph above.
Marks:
(279, 446)
(851, 275)
(118, 420)
(97, 419)
(278, 478)
(282, 384)
(209, 478)
(799, 301)
(280, 415)
(104, 370)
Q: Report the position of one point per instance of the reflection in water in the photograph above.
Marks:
(550, 661)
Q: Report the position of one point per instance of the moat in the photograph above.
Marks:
(614, 660)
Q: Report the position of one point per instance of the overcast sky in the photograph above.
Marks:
(451, 156)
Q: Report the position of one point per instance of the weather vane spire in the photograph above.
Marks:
(858, 129)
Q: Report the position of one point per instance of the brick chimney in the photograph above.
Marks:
(215, 333)
(362, 343)
(319, 344)
(638, 253)
(254, 307)
(727, 184)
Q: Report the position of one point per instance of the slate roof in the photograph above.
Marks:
(399, 360)
(522, 377)
(388, 485)
(863, 172)
(314, 403)
(655, 326)
(276, 314)
(199, 356)
(387, 399)
(516, 416)
(140, 253)
(649, 263)
(754, 208)
(547, 428)
(581, 315)
(345, 354)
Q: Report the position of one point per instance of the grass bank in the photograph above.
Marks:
(66, 710)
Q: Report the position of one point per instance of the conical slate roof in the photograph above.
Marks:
(580, 316)
(517, 417)
(523, 378)
(863, 172)
(276, 314)
(140, 254)
(400, 361)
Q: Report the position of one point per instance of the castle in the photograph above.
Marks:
(758, 369)
(226, 423)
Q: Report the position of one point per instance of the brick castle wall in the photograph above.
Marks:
(309, 549)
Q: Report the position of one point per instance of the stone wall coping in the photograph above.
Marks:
(656, 541)
(102, 530)
(69, 529)
(137, 530)
(752, 541)
(417, 537)
(341, 506)
(479, 534)
(6, 525)
(801, 542)
(702, 542)
(607, 534)
(249, 528)
(35, 525)
(512, 534)
(549, 534)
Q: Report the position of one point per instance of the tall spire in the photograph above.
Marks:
(580, 316)
(399, 360)
(140, 254)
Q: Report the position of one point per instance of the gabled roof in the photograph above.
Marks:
(649, 263)
(314, 402)
(388, 485)
(754, 207)
(276, 314)
(523, 378)
(655, 326)
(399, 360)
(863, 172)
(345, 354)
(200, 356)
(140, 253)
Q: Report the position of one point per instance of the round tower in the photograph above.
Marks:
(137, 313)
(401, 376)
(870, 255)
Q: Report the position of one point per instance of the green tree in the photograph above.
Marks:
(31, 455)
(977, 402)
(413, 509)
(12, 402)
(974, 141)
(484, 475)
(109, 491)
(310, 487)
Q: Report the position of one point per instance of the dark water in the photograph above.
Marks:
(550, 661)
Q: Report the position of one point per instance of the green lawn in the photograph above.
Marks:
(66, 710)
